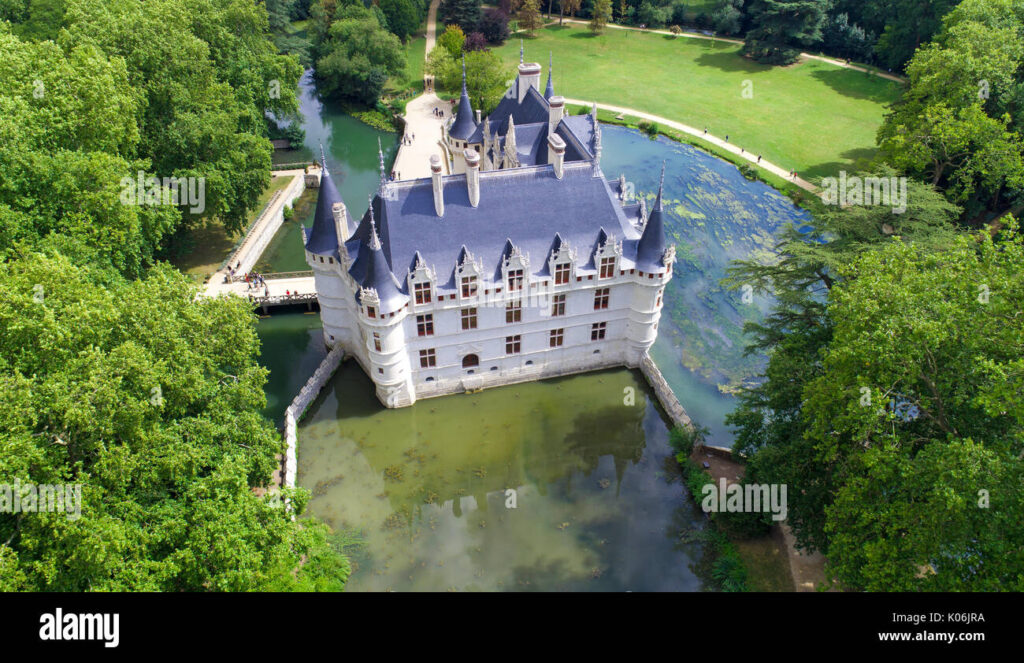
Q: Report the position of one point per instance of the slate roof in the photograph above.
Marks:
(322, 238)
(651, 246)
(465, 124)
(526, 206)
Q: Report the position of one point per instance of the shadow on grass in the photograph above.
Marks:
(858, 85)
(855, 160)
(730, 61)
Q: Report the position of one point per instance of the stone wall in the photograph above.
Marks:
(266, 226)
(298, 407)
(665, 395)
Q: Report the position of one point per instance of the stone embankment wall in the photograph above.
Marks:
(267, 225)
(298, 406)
(665, 395)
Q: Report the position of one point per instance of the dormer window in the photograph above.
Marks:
(607, 267)
(515, 279)
(422, 292)
(469, 286)
(562, 273)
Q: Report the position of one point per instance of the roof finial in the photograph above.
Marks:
(374, 239)
(380, 155)
(549, 91)
(464, 73)
(520, 51)
(661, 186)
(323, 160)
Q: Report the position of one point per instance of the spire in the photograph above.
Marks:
(549, 91)
(374, 239)
(651, 247)
(520, 51)
(661, 187)
(465, 123)
(323, 160)
(380, 154)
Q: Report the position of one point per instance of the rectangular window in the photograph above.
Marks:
(597, 331)
(607, 268)
(557, 337)
(601, 298)
(422, 291)
(376, 341)
(515, 279)
(561, 273)
(428, 358)
(468, 286)
(660, 293)
(513, 312)
(513, 344)
(469, 318)
(371, 312)
(425, 325)
(558, 305)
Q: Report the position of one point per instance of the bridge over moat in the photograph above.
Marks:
(279, 289)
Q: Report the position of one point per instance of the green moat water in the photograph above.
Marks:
(598, 502)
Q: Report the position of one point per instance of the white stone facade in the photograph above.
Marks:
(630, 326)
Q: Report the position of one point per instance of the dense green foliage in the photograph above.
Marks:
(486, 76)
(356, 53)
(891, 396)
(959, 125)
(113, 376)
(779, 28)
(150, 400)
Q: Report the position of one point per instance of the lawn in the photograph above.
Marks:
(814, 117)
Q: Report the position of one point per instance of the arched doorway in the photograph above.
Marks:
(470, 361)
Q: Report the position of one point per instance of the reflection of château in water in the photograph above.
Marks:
(534, 434)
(525, 264)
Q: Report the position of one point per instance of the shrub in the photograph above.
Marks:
(649, 128)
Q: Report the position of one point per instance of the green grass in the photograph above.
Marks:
(814, 117)
(412, 79)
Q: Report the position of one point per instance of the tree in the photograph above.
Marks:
(452, 40)
(573, 6)
(770, 418)
(486, 76)
(464, 13)
(729, 18)
(360, 55)
(149, 400)
(955, 125)
(529, 15)
(475, 42)
(908, 25)
(906, 409)
(601, 15)
(778, 27)
(402, 17)
(494, 26)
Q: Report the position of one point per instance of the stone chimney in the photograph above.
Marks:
(340, 222)
(473, 176)
(556, 111)
(529, 76)
(435, 176)
(556, 153)
(478, 116)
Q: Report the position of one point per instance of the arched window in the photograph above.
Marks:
(470, 361)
